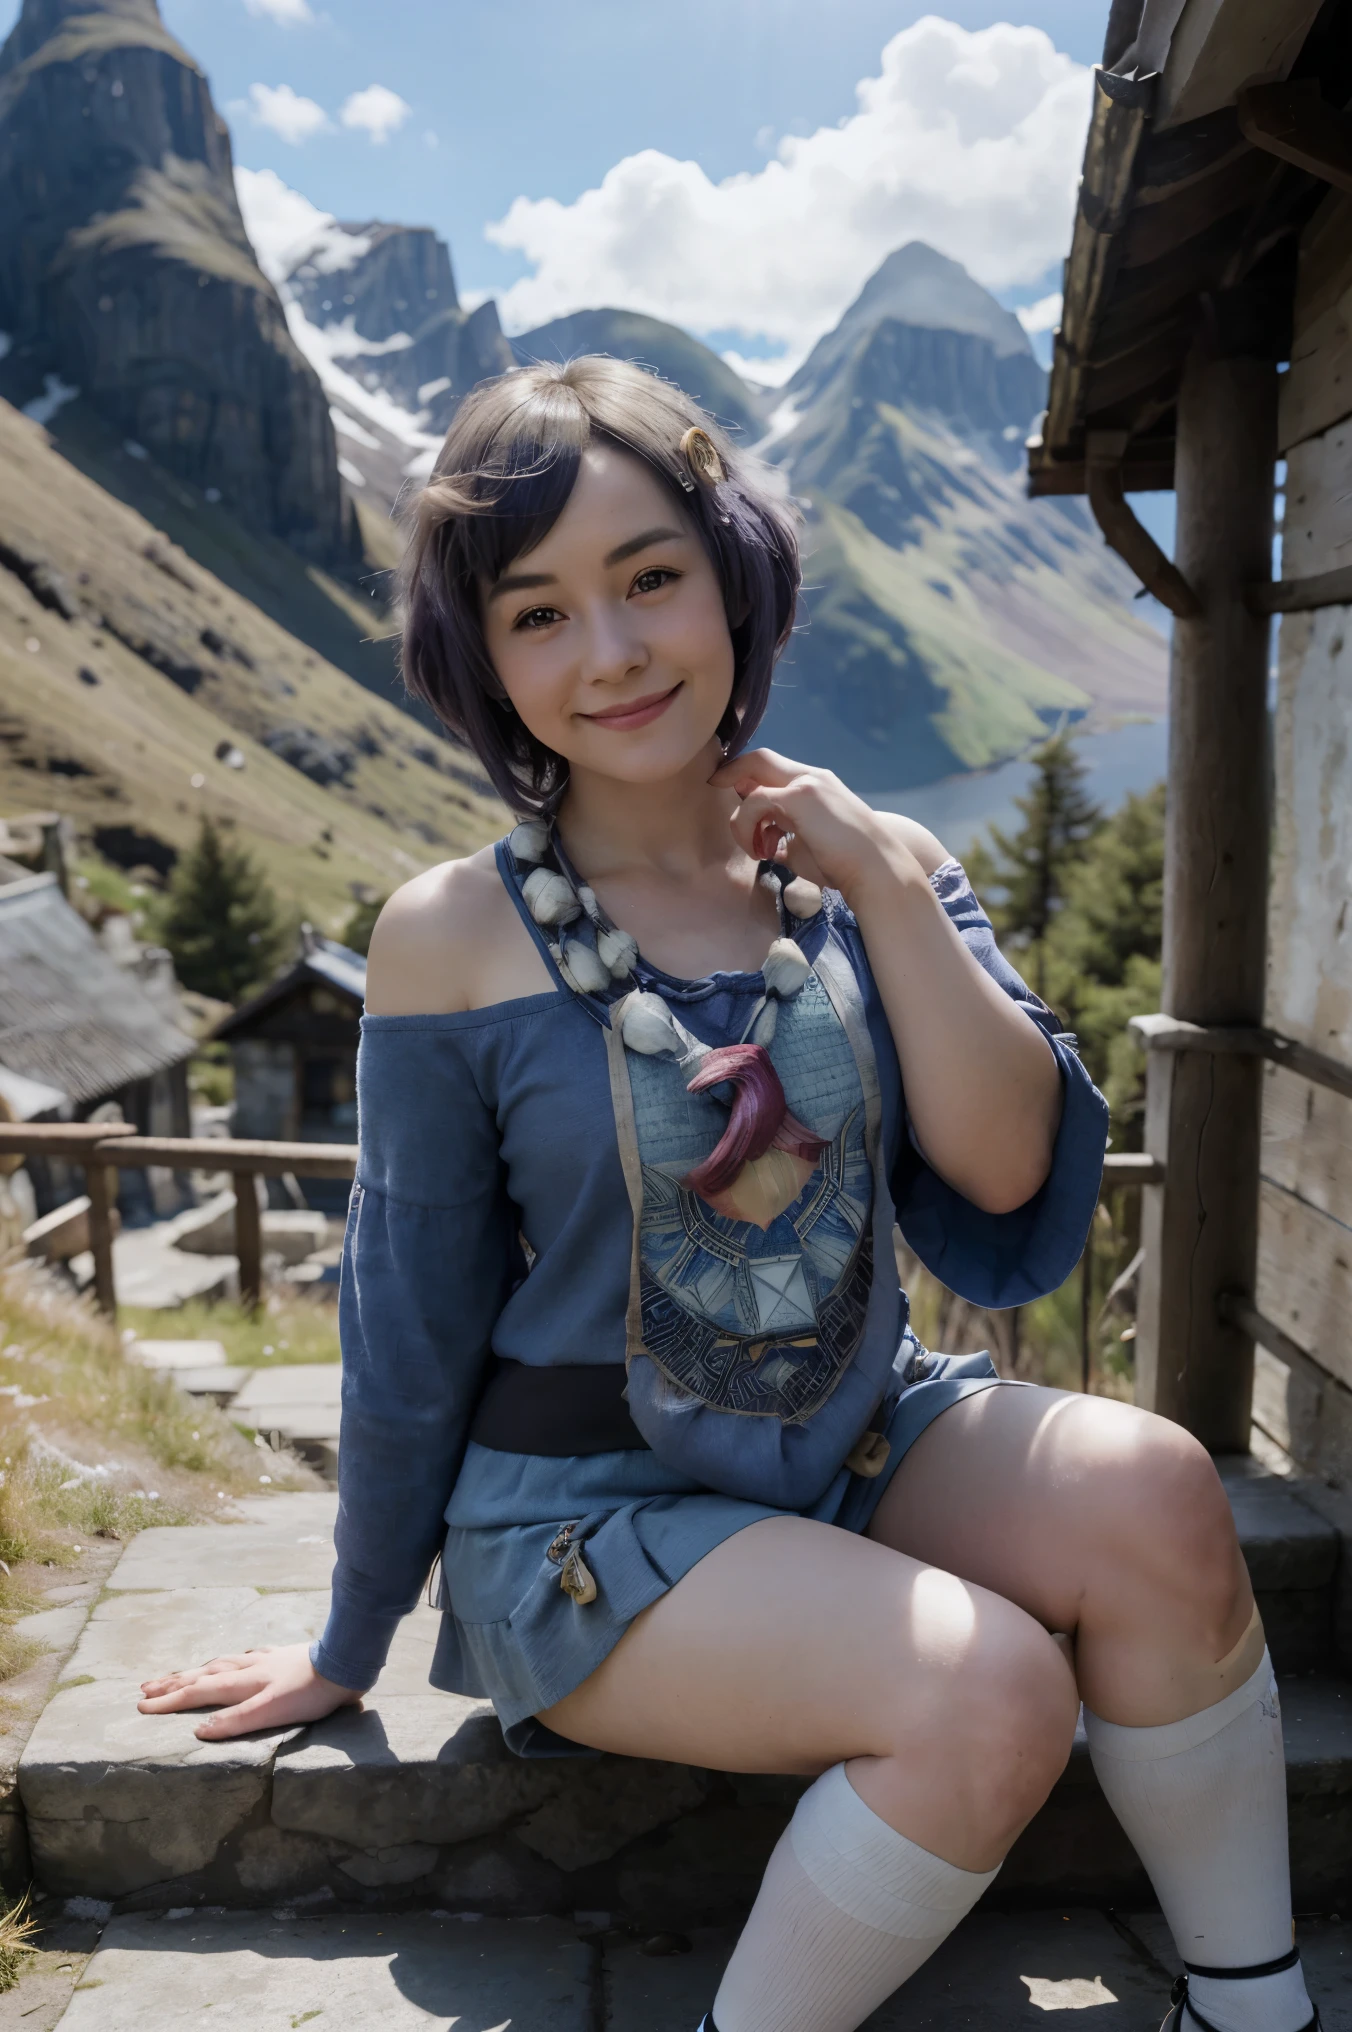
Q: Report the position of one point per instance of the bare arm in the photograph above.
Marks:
(982, 1084)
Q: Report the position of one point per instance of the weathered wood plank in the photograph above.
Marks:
(1307, 1142)
(1310, 917)
(1317, 526)
(1203, 1112)
(1216, 47)
(1305, 1277)
(1317, 386)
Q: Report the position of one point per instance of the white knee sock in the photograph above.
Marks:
(1204, 1804)
(848, 1908)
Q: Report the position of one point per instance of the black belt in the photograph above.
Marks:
(564, 1409)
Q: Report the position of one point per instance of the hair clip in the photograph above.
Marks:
(703, 457)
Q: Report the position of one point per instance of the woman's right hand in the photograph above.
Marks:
(272, 1688)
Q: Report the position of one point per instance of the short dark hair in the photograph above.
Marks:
(503, 477)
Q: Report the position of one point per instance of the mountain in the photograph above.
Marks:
(664, 349)
(126, 272)
(387, 299)
(948, 620)
(140, 690)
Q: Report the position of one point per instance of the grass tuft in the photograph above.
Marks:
(287, 1328)
(17, 1927)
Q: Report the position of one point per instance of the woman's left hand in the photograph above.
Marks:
(809, 820)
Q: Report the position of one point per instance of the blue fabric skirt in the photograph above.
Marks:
(510, 1633)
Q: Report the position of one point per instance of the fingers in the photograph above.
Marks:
(757, 766)
(216, 1689)
(262, 1710)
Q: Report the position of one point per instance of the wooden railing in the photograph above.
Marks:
(100, 1148)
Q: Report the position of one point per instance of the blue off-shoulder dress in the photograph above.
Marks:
(517, 1197)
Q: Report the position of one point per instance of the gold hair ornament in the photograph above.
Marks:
(703, 457)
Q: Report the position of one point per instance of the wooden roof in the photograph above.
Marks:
(70, 1017)
(1190, 207)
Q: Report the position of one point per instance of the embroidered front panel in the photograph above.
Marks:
(758, 1314)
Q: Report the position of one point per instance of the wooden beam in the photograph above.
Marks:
(1303, 596)
(1203, 1109)
(59, 1139)
(248, 1240)
(209, 1153)
(1169, 1033)
(100, 1186)
(1295, 122)
(1122, 532)
(1133, 1167)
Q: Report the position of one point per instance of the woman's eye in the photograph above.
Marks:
(538, 617)
(655, 576)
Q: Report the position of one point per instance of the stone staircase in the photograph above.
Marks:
(409, 1822)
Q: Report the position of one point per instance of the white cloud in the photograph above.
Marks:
(283, 110)
(286, 228)
(970, 141)
(290, 13)
(1042, 316)
(377, 111)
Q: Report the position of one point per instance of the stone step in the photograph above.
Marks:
(1293, 1556)
(415, 1798)
(998, 1973)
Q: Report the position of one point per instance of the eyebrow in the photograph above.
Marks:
(519, 582)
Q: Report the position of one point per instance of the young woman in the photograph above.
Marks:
(643, 1090)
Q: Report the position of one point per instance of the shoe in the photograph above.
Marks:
(1180, 2003)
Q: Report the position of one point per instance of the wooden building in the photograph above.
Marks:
(294, 1053)
(79, 1032)
(1207, 336)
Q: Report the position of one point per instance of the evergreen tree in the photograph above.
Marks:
(221, 921)
(357, 931)
(1028, 873)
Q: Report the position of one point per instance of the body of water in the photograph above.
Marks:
(959, 809)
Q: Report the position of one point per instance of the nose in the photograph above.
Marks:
(613, 644)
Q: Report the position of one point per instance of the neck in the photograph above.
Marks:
(677, 827)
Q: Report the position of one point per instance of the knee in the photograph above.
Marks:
(1009, 1726)
(1181, 1528)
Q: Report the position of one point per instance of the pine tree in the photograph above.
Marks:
(221, 920)
(1029, 872)
(357, 931)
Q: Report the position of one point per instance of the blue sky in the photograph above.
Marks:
(597, 118)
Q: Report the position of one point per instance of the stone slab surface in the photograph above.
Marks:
(291, 1553)
(352, 1974)
(998, 1972)
(1286, 1545)
(175, 1355)
(310, 1383)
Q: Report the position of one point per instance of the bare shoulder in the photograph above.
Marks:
(447, 941)
(930, 853)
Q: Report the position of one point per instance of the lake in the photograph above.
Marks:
(960, 808)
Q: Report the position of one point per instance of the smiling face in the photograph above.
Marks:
(611, 638)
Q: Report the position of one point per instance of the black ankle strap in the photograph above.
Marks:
(1240, 1975)
(1182, 2002)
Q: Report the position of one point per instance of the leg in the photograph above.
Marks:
(939, 1714)
(1111, 1525)
(794, 1646)
(1101, 1521)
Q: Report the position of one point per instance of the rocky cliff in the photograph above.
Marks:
(948, 620)
(126, 273)
(386, 296)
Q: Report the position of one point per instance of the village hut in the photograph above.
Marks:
(1206, 336)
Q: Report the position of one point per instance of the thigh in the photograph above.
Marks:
(1041, 1495)
(790, 1647)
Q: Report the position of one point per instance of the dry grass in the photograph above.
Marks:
(93, 1446)
(289, 1327)
(17, 1928)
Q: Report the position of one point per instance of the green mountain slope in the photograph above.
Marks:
(948, 620)
(664, 349)
(138, 691)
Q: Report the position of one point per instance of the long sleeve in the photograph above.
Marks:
(430, 1257)
(1007, 1259)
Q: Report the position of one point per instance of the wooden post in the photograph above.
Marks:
(248, 1239)
(1199, 1229)
(101, 1186)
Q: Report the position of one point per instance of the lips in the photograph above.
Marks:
(634, 712)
